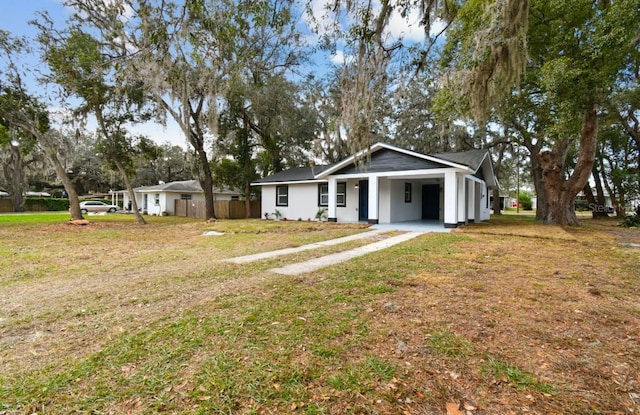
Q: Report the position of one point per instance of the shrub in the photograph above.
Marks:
(46, 203)
(525, 201)
(631, 221)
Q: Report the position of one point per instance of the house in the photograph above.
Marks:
(156, 199)
(391, 184)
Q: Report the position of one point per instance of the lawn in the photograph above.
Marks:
(498, 318)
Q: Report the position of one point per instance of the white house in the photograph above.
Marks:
(154, 200)
(390, 185)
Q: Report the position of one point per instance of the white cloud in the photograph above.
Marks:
(407, 28)
(338, 57)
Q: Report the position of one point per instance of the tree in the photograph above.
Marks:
(576, 50)
(79, 65)
(330, 145)
(376, 62)
(21, 111)
(284, 124)
(16, 146)
(186, 54)
(163, 163)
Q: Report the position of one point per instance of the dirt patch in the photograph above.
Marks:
(566, 314)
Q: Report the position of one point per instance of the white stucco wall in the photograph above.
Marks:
(384, 200)
(349, 213)
(303, 201)
(402, 211)
(152, 207)
(485, 206)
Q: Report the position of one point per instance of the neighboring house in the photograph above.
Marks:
(392, 185)
(3, 194)
(154, 200)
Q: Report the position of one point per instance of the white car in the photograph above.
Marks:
(97, 206)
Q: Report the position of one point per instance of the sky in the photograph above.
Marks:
(15, 15)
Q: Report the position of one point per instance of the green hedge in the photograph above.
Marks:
(40, 204)
(525, 201)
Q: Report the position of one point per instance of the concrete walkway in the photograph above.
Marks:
(413, 226)
(332, 259)
(287, 251)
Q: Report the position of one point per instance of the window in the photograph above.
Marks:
(341, 194)
(407, 193)
(157, 199)
(235, 197)
(185, 196)
(282, 195)
(323, 194)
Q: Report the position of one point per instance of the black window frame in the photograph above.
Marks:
(408, 192)
(286, 195)
(320, 193)
(343, 193)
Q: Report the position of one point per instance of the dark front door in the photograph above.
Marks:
(431, 201)
(363, 205)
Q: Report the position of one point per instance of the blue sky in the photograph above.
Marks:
(15, 15)
(14, 18)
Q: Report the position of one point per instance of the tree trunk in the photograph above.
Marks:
(561, 193)
(206, 181)
(247, 200)
(538, 178)
(616, 193)
(52, 154)
(599, 208)
(496, 205)
(132, 196)
(74, 200)
(591, 199)
(15, 175)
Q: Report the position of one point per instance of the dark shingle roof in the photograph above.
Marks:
(295, 174)
(471, 158)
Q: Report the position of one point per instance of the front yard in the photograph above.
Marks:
(507, 317)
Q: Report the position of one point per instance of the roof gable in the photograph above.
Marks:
(386, 159)
(350, 161)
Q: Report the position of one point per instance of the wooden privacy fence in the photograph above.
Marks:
(225, 209)
(6, 205)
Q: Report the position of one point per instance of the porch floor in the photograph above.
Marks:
(413, 226)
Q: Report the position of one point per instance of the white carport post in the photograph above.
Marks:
(450, 199)
(333, 188)
(462, 201)
(373, 200)
(471, 201)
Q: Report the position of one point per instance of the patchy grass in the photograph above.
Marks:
(508, 317)
(448, 344)
(515, 377)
